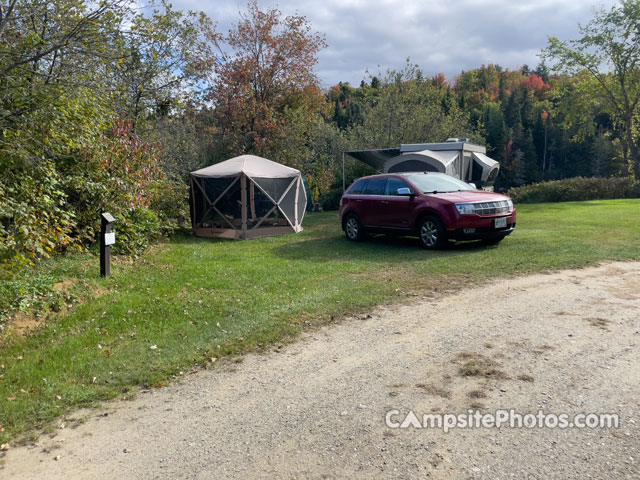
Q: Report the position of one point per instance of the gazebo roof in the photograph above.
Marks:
(250, 165)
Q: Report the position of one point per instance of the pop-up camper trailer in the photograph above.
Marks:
(455, 157)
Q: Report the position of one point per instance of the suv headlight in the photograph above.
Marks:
(510, 204)
(465, 208)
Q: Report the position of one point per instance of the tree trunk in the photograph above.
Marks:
(635, 160)
(632, 146)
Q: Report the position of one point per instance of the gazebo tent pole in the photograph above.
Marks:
(344, 180)
(243, 200)
(193, 203)
(252, 197)
(205, 199)
(295, 215)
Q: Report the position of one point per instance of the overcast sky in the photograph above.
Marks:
(446, 36)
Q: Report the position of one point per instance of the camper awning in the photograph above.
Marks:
(375, 158)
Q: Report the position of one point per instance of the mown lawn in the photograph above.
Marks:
(192, 300)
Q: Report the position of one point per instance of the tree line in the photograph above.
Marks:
(107, 108)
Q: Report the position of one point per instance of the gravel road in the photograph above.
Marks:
(563, 343)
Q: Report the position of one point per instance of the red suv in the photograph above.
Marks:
(434, 206)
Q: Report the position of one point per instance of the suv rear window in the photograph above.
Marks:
(357, 187)
(375, 186)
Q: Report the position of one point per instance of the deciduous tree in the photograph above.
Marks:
(408, 110)
(164, 57)
(264, 67)
(609, 50)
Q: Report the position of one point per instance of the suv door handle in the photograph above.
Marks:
(384, 202)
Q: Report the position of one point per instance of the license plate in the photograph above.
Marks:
(501, 222)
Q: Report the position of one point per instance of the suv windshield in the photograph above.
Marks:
(437, 183)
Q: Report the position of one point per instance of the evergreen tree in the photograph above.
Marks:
(512, 111)
(495, 129)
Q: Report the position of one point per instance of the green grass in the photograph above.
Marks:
(192, 299)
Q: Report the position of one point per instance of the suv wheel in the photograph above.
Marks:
(353, 228)
(431, 233)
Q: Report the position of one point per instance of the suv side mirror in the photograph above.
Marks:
(405, 192)
(473, 185)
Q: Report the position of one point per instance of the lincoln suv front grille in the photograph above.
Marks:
(491, 208)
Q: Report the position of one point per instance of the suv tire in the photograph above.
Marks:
(431, 233)
(353, 228)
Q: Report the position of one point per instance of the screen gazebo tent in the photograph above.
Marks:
(246, 197)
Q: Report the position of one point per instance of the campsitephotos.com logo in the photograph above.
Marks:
(499, 419)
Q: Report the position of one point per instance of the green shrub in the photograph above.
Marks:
(331, 200)
(576, 189)
(50, 204)
(135, 230)
(35, 220)
(170, 201)
(31, 290)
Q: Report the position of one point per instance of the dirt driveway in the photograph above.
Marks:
(567, 342)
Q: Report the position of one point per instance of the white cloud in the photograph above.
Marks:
(446, 36)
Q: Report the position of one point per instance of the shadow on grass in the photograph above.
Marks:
(185, 237)
(379, 247)
(329, 245)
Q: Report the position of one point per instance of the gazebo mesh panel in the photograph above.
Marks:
(215, 186)
(230, 205)
(288, 203)
(261, 206)
(275, 187)
(302, 203)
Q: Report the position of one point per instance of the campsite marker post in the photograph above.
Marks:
(107, 238)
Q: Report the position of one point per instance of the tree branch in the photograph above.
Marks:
(6, 15)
